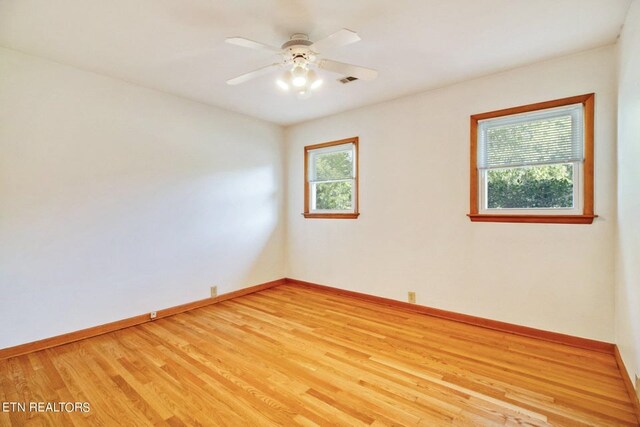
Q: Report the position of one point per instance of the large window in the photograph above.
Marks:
(331, 179)
(534, 163)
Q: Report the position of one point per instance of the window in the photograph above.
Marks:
(331, 179)
(534, 163)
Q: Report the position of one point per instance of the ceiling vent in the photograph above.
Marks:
(347, 79)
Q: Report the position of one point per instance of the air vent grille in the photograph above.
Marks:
(347, 79)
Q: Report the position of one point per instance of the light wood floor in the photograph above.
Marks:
(290, 355)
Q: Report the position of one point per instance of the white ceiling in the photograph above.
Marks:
(177, 46)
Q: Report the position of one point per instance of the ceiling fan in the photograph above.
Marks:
(300, 56)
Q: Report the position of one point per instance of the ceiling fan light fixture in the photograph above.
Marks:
(316, 84)
(282, 84)
(300, 57)
(304, 94)
(299, 81)
(313, 81)
(299, 76)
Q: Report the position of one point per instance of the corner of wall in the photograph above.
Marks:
(627, 248)
(284, 217)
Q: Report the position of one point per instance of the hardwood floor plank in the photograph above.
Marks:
(544, 379)
(290, 355)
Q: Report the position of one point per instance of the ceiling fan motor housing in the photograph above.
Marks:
(297, 51)
(297, 39)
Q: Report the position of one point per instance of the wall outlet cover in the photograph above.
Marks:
(153, 315)
(412, 297)
(214, 291)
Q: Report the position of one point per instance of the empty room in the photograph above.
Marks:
(319, 212)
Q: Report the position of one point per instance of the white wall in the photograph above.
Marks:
(628, 250)
(116, 200)
(413, 233)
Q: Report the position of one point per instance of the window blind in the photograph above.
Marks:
(537, 138)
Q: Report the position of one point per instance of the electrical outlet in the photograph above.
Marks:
(412, 297)
(153, 315)
(214, 291)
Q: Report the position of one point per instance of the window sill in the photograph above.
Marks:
(543, 219)
(332, 215)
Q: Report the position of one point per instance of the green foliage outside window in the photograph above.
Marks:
(336, 195)
(548, 186)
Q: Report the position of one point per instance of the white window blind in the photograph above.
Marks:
(543, 137)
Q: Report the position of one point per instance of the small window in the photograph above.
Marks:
(534, 163)
(331, 179)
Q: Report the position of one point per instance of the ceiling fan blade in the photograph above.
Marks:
(252, 74)
(348, 70)
(241, 41)
(337, 39)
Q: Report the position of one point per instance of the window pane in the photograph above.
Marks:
(548, 186)
(334, 195)
(336, 165)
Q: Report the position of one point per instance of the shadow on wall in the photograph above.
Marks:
(139, 241)
(117, 200)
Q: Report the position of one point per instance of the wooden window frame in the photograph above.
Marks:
(587, 215)
(333, 215)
